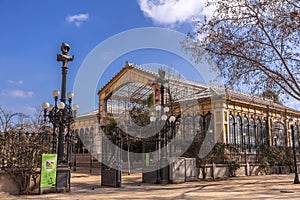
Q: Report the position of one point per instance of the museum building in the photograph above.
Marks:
(232, 117)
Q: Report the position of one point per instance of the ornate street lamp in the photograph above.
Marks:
(62, 115)
(161, 115)
(163, 176)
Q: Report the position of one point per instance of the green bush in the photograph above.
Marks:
(233, 166)
(264, 167)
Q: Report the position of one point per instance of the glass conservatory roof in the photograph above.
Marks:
(135, 91)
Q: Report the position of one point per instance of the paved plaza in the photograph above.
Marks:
(87, 187)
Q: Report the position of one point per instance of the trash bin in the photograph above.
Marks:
(191, 171)
(177, 170)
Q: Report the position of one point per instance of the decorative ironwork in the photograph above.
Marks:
(62, 115)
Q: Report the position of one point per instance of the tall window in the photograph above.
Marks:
(75, 148)
(259, 134)
(231, 130)
(91, 139)
(81, 133)
(265, 133)
(278, 133)
(188, 126)
(85, 140)
(80, 145)
(252, 135)
(178, 135)
(178, 129)
(246, 132)
(197, 123)
(297, 135)
(239, 131)
(208, 122)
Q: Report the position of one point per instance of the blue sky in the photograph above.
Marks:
(32, 32)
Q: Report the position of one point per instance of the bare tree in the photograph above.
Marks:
(22, 142)
(254, 43)
(37, 120)
(6, 120)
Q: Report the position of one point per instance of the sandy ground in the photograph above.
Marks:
(87, 187)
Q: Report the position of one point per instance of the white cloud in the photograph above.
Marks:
(18, 82)
(77, 19)
(170, 12)
(17, 93)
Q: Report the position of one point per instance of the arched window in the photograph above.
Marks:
(232, 138)
(239, 131)
(177, 136)
(188, 127)
(252, 134)
(114, 104)
(245, 133)
(75, 148)
(86, 133)
(86, 139)
(108, 106)
(81, 133)
(91, 139)
(278, 133)
(259, 134)
(209, 122)
(197, 128)
(81, 136)
(182, 128)
(297, 135)
(178, 129)
(265, 134)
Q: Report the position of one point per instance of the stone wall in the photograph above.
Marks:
(222, 170)
(8, 184)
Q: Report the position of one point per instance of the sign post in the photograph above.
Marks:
(48, 172)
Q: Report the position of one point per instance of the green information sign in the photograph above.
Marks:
(48, 170)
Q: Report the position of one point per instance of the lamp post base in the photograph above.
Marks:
(63, 176)
(296, 180)
(164, 172)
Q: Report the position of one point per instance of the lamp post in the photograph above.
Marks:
(162, 171)
(62, 115)
(158, 145)
(164, 153)
(162, 168)
(296, 180)
(162, 136)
